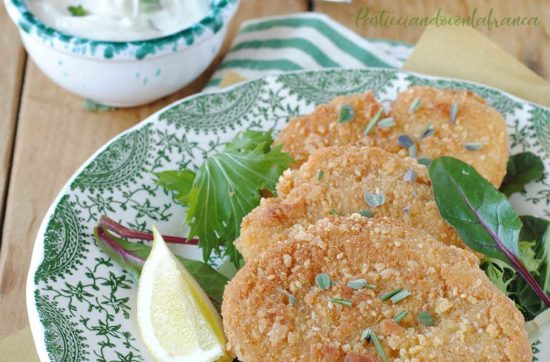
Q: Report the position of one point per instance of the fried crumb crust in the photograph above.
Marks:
(335, 180)
(475, 123)
(305, 134)
(473, 320)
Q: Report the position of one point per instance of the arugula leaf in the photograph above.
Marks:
(483, 217)
(520, 170)
(226, 188)
(132, 255)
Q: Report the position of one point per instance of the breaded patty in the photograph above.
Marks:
(476, 125)
(303, 135)
(274, 311)
(335, 180)
(428, 124)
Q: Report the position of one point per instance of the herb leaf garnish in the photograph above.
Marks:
(520, 170)
(454, 112)
(347, 113)
(373, 121)
(359, 284)
(226, 188)
(366, 213)
(387, 122)
(473, 146)
(341, 301)
(388, 295)
(379, 348)
(374, 200)
(77, 10)
(425, 319)
(414, 105)
(396, 298)
(482, 216)
(323, 281)
(400, 316)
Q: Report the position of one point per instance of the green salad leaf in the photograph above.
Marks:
(520, 170)
(225, 188)
(481, 215)
(180, 182)
(487, 223)
(535, 255)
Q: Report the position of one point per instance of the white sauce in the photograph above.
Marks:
(120, 20)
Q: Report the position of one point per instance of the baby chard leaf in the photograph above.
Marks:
(482, 216)
(131, 256)
(520, 170)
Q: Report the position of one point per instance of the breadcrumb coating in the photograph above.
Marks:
(305, 134)
(348, 173)
(475, 123)
(273, 310)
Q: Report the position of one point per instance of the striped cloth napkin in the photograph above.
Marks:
(304, 41)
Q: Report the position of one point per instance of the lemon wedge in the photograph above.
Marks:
(177, 321)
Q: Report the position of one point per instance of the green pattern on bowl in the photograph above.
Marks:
(81, 305)
(211, 24)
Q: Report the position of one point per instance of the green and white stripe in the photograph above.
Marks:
(304, 41)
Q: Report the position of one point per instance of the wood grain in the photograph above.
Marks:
(529, 44)
(55, 136)
(11, 74)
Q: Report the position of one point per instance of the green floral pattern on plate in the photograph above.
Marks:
(64, 339)
(316, 88)
(66, 243)
(85, 303)
(216, 113)
(118, 165)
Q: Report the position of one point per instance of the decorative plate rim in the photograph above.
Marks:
(38, 247)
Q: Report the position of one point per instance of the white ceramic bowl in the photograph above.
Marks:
(123, 74)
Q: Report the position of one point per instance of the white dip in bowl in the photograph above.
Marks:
(122, 52)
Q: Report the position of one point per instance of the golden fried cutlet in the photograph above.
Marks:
(429, 124)
(273, 310)
(305, 134)
(477, 134)
(335, 180)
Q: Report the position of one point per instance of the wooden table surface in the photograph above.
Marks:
(45, 133)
